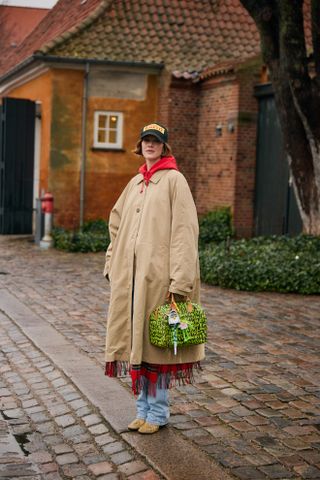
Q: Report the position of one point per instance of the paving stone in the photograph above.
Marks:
(40, 457)
(84, 437)
(46, 428)
(62, 448)
(78, 403)
(179, 418)
(248, 473)
(242, 411)
(185, 425)
(132, 467)
(121, 457)
(90, 420)
(231, 459)
(295, 444)
(65, 420)
(49, 467)
(257, 420)
(39, 417)
(308, 471)
(58, 382)
(114, 447)
(147, 475)
(268, 412)
(300, 431)
(98, 429)
(291, 460)
(52, 439)
(219, 431)
(5, 392)
(259, 459)
(74, 430)
(207, 421)
(67, 458)
(71, 471)
(276, 471)
(57, 410)
(100, 468)
(104, 439)
(84, 449)
(28, 403)
(83, 411)
(89, 459)
(311, 456)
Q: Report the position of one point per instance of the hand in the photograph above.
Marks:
(178, 298)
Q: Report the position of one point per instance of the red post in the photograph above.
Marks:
(47, 209)
(47, 203)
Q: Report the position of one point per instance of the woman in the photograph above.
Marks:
(153, 251)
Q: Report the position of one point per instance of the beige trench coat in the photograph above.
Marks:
(153, 249)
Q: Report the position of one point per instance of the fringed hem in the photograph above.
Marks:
(118, 368)
(151, 376)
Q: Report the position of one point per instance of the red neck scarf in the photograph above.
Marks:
(165, 163)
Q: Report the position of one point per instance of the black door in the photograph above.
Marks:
(16, 165)
(276, 211)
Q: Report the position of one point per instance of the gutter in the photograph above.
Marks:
(83, 141)
(75, 61)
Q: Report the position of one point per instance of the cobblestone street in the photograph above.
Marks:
(255, 410)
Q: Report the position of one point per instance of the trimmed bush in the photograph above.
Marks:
(278, 264)
(94, 237)
(215, 226)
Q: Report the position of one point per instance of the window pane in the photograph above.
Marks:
(101, 136)
(102, 121)
(113, 121)
(112, 136)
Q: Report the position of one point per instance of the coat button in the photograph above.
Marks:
(138, 210)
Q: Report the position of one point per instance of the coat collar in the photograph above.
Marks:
(155, 177)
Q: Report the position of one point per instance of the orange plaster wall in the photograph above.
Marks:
(39, 89)
(60, 92)
(108, 171)
(65, 153)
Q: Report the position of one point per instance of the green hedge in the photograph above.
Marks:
(94, 237)
(279, 264)
(215, 226)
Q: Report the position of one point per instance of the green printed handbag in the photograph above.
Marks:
(178, 324)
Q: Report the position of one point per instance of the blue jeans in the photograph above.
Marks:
(154, 410)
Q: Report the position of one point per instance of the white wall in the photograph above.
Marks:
(29, 3)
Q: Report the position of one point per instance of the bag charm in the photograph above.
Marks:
(174, 322)
(173, 325)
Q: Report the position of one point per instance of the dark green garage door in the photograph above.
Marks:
(276, 210)
(16, 165)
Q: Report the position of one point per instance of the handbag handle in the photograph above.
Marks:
(174, 306)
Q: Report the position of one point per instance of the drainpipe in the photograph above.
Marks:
(83, 142)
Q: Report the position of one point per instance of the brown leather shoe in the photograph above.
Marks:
(136, 424)
(148, 428)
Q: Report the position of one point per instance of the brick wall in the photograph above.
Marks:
(216, 155)
(163, 106)
(220, 169)
(183, 124)
(248, 76)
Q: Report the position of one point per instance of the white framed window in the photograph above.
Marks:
(107, 129)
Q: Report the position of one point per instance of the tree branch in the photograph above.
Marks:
(293, 52)
(264, 13)
(315, 26)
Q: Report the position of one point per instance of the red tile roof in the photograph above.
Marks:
(186, 35)
(65, 15)
(18, 22)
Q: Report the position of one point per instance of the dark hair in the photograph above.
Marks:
(166, 152)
